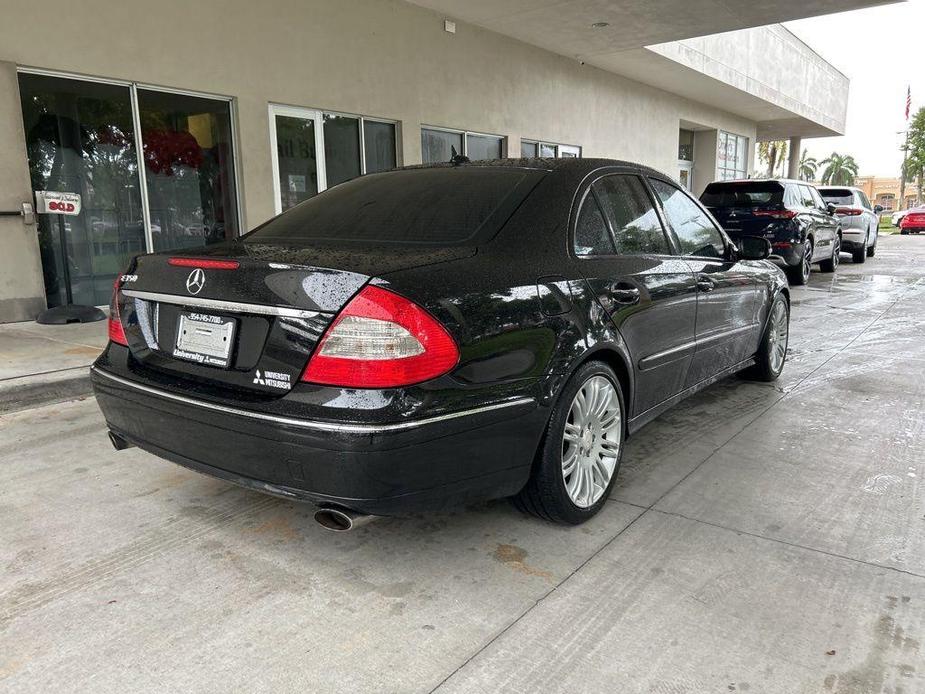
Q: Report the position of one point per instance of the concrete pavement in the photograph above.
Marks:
(762, 538)
(47, 363)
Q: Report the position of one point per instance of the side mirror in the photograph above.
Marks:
(830, 208)
(754, 248)
(878, 208)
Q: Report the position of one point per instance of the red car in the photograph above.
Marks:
(913, 222)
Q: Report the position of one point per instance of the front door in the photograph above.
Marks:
(649, 295)
(80, 139)
(727, 323)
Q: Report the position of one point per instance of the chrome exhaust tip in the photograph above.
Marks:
(341, 520)
(118, 442)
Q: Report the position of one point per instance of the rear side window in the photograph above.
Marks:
(450, 206)
(696, 234)
(636, 226)
(806, 196)
(865, 201)
(839, 196)
(750, 194)
(592, 237)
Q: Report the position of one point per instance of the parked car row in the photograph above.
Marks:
(436, 335)
(805, 225)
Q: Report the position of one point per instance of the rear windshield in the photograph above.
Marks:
(757, 194)
(838, 196)
(422, 207)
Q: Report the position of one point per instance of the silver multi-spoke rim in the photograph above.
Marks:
(778, 335)
(836, 253)
(807, 260)
(591, 441)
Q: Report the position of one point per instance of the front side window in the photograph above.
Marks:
(636, 227)
(592, 237)
(697, 236)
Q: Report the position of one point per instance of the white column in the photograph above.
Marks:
(793, 168)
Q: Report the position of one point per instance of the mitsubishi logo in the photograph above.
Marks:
(196, 281)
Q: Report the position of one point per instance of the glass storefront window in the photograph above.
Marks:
(480, 147)
(80, 139)
(731, 156)
(438, 145)
(302, 171)
(548, 150)
(189, 169)
(379, 145)
(296, 157)
(341, 148)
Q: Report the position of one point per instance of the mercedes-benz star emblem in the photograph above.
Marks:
(196, 281)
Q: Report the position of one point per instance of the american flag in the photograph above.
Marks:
(908, 101)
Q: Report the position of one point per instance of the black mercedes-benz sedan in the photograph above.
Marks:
(439, 335)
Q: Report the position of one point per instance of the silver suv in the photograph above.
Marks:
(859, 220)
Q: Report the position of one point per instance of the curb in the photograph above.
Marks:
(26, 392)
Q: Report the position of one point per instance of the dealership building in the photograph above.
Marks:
(187, 123)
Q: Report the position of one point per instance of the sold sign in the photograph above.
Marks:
(57, 202)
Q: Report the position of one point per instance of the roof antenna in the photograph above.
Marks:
(456, 158)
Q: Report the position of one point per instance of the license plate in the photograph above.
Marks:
(204, 338)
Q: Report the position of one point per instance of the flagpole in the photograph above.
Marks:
(902, 172)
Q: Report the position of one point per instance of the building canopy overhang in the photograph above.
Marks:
(712, 51)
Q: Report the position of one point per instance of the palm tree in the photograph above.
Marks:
(840, 170)
(773, 153)
(808, 166)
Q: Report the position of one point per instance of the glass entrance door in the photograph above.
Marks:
(80, 139)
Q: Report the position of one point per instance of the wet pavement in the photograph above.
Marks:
(761, 537)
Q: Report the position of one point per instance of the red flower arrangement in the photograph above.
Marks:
(164, 149)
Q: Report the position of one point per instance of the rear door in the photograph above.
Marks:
(627, 260)
(824, 225)
(726, 326)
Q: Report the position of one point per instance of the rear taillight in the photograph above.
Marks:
(381, 340)
(848, 211)
(116, 332)
(205, 263)
(775, 214)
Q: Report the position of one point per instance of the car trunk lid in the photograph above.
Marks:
(247, 316)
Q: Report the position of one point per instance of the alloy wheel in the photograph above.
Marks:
(807, 260)
(778, 336)
(591, 441)
(836, 252)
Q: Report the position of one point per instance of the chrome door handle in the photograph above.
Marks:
(705, 284)
(625, 295)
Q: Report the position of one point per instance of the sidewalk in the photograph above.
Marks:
(46, 363)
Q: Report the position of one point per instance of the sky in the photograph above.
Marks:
(879, 49)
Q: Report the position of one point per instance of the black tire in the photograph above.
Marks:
(765, 369)
(545, 494)
(903, 232)
(831, 264)
(799, 274)
(859, 255)
(872, 251)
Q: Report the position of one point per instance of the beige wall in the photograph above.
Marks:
(381, 58)
(22, 293)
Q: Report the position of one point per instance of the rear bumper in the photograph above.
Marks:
(391, 469)
(787, 257)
